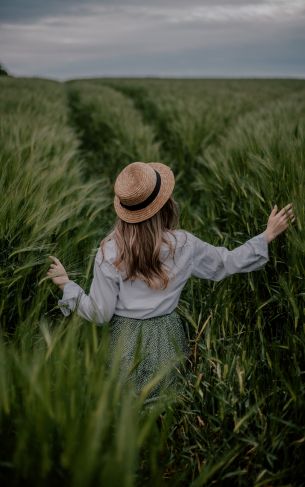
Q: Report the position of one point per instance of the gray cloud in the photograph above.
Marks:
(21, 11)
(75, 39)
(28, 10)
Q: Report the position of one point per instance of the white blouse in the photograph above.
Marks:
(109, 294)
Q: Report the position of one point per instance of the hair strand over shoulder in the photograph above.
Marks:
(138, 245)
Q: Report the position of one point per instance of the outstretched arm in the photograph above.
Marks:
(216, 263)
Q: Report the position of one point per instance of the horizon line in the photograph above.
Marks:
(152, 76)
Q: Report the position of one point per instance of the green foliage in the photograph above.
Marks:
(237, 147)
(111, 131)
(45, 203)
(3, 71)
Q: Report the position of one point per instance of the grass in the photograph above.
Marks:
(237, 147)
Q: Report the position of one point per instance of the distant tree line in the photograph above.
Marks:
(3, 71)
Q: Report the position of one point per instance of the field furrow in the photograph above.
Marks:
(237, 147)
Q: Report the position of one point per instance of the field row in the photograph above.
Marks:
(237, 148)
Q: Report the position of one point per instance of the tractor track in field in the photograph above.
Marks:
(153, 116)
(93, 144)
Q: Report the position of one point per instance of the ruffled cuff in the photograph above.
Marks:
(70, 296)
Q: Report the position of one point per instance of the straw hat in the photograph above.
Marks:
(141, 189)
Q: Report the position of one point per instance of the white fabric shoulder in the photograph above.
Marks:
(109, 252)
(179, 238)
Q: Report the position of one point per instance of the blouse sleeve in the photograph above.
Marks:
(216, 263)
(100, 304)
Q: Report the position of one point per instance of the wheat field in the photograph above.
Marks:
(237, 147)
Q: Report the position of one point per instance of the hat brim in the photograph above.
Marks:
(166, 189)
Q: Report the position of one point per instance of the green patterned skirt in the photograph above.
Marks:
(151, 352)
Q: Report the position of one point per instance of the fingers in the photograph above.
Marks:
(52, 257)
(53, 274)
(56, 269)
(285, 209)
(279, 222)
(56, 263)
(288, 215)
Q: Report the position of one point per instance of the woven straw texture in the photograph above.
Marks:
(134, 185)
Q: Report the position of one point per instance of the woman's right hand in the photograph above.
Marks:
(57, 272)
(278, 222)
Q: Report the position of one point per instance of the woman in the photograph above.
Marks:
(142, 266)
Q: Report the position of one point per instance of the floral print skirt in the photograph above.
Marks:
(150, 352)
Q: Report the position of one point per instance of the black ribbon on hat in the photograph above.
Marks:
(148, 200)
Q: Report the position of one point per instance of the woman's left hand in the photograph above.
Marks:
(57, 272)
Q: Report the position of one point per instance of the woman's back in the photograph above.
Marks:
(111, 293)
(135, 298)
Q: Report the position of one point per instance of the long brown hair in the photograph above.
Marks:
(138, 245)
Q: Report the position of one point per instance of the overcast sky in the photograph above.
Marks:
(63, 39)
